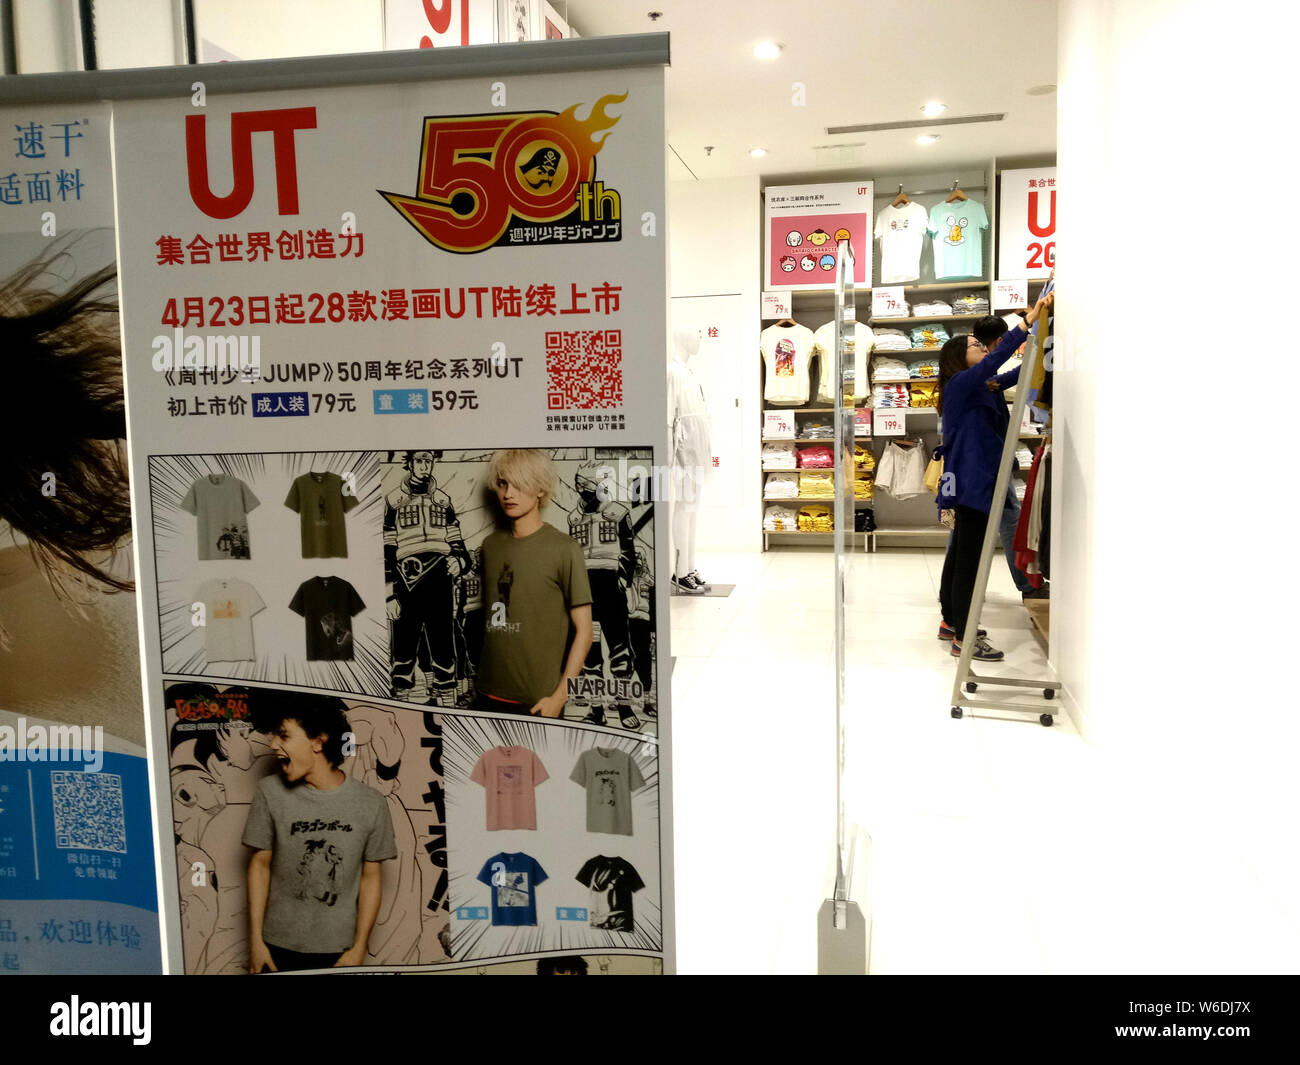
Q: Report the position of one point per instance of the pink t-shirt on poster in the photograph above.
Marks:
(508, 776)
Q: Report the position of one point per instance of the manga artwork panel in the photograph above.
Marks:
(438, 508)
(250, 550)
(218, 758)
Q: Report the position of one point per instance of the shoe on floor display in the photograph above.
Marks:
(947, 632)
(700, 582)
(984, 651)
(687, 585)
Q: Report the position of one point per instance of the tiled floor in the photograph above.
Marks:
(999, 846)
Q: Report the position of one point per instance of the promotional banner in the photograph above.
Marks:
(395, 366)
(802, 228)
(1027, 223)
(77, 890)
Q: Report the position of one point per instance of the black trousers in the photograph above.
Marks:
(287, 961)
(957, 585)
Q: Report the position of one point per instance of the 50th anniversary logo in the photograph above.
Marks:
(517, 179)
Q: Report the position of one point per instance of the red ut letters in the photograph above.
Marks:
(281, 124)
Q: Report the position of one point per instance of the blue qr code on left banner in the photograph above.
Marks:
(88, 811)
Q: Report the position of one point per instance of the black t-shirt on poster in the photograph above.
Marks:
(612, 882)
(328, 604)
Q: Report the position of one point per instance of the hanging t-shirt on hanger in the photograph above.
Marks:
(958, 243)
(509, 776)
(229, 606)
(786, 354)
(862, 341)
(320, 499)
(328, 604)
(221, 503)
(901, 232)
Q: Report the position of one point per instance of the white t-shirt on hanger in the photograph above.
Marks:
(823, 343)
(901, 232)
(786, 354)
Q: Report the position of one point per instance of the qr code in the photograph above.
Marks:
(584, 369)
(88, 811)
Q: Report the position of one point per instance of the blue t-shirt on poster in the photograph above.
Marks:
(958, 241)
(513, 879)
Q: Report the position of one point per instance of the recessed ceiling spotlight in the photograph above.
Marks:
(758, 153)
(934, 109)
(1041, 90)
(654, 16)
(927, 138)
(767, 50)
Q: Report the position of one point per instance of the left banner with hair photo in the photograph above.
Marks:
(77, 887)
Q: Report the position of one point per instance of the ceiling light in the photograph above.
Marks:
(927, 138)
(758, 153)
(934, 109)
(767, 50)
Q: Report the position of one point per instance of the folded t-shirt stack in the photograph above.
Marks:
(781, 486)
(864, 487)
(819, 457)
(923, 368)
(814, 517)
(779, 457)
(929, 336)
(892, 396)
(777, 518)
(891, 340)
(817, 484)
(1020, 491)
(863, 459)
(883, 370)
(1024, 457)
(924, 394)
(971, 303)
(819, 428)
(931, 310)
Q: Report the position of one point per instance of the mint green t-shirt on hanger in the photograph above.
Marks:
(957, 229)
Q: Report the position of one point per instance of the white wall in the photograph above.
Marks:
(714, 232)
(137, 33)
(255, 29)
(1174, 589)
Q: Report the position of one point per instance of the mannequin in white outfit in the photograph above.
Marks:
(688, 427)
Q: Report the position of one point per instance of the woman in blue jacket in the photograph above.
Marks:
(973, 431)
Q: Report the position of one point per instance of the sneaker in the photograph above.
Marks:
(947, 632)
(688, 585)
(984, 651)
(700, 582)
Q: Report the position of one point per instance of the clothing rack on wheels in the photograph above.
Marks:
(966, 683)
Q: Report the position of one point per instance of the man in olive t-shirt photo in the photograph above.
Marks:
(537, 599)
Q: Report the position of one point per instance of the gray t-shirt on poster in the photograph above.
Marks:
(221, 503)
(318, 841)
(610, 776)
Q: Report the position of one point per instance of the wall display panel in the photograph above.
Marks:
(339, 305)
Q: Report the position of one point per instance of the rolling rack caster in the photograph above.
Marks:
(956, 711)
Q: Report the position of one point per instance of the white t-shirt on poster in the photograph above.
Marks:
(901, 232)
(229, 606)
(786, 354)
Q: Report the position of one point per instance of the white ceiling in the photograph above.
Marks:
(861, 62)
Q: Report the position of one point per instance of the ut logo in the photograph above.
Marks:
(281, 124)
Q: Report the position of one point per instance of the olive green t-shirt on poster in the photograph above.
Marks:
(320, 500)
(529, 585)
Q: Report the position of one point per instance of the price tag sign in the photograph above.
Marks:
(888, 302)
(862, 422)
(890, 422)
(776, 305)
(778, 424)
(1010, 295)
